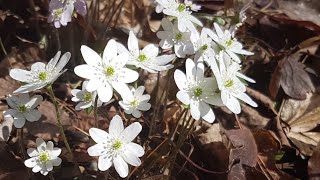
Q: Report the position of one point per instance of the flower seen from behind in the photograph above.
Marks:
(172, 37)
(135, 102)
(85, 98)
(23, 108)
(106, 73)
(40, 74)
(115, 148)
(147, 58)
(197, 91)
(43, 158)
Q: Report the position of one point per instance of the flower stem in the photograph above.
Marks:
(51, 177)
(53, 98)
(95, 111)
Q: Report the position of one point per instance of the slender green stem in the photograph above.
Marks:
(2, 47)
(95, 111)
(53, 98)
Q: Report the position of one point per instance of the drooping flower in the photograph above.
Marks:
(172, 37)
(182, 13)
(23, 108)
(231, 87)
(136, 102)
(147, 58)
(106, 73)
(227, 43)
(60, 13)
(85, 98)
(197, 91)
(44, 158)
(40, 74)
(116, 147)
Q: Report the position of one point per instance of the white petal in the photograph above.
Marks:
(244, 52)
(13, 101)
(41, 144)
(242, 76)
(139, 91)
(93, 84)
(98, 135)
(55, 152)
(49, 166)
(63, 61)
(10, 112)
(180, 79)
(122, 89)
(32, 115)
(245, 98)
(38, 66)
(231, 102)
(37, 168)
(133, 43)
(150, 51)
(121, 166)
(116, 126)
(110, 51)
(194, 108)
(97, 150)
(144, 106)
(89, 56)
(120, 60)
(30, 87)
(105, 92)
(145, 98)
(166, 24)
(56, 162)
(49, 146)
(131, 132)
(30, 163)
(190, 70)
(19, 120)
(206, 112)
(104, 163)
(32, 152)
(85, 71)
(52, 63)
(199, 71)
(218, 30)
(136, 113)
(183, 97)
(233, 56)
(131, 158)
(164, 59)
(195, 20)
(83, 105)
(136, 149)
(128, 75)
(182, 25)
(121, 48)
(34, 101)
(20, 75)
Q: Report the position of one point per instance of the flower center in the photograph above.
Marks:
(204, 47)
(43, 76)
(229, 42)
(134, 103)
(142, 57)
(198, 92)
(22, 108)
(229, 83)
(116, 145)
(87, 96)
(43, 157)
(179, 36)
(109, 71)
(181, 7)
(57, 12)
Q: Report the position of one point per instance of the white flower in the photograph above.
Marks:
(231, 86)
(136, 101)
(43, 158)
(106, 73)
(197, 91)
(85, 98)
(227, 43)
(147, 58)
(182, 13)
(41, 74)
(116, 147)
(172, 37)
(191, 6)
(23, 108)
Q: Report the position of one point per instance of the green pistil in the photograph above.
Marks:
(142, 57)
(22, 108)
(109, 71)
(42, 76)
(44, 157)
(197, 92)
(134, 103)
(229, 42)
(179, 36)
(116, 145)
(181, 7)
(87, 96)
(204, 47)
(58, 12)
(229, 83)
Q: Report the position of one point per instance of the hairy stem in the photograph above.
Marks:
(53, 98)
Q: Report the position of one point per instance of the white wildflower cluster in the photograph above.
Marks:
(216, 48)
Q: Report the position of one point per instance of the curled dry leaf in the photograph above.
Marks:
(292, 77)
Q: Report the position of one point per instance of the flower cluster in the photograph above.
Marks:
(216, 48)
(61, 11)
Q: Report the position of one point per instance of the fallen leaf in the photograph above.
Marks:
(6, 128)
(314, 164)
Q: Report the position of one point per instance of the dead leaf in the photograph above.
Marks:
(6, 128)
(292, 77)
(314, 164)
